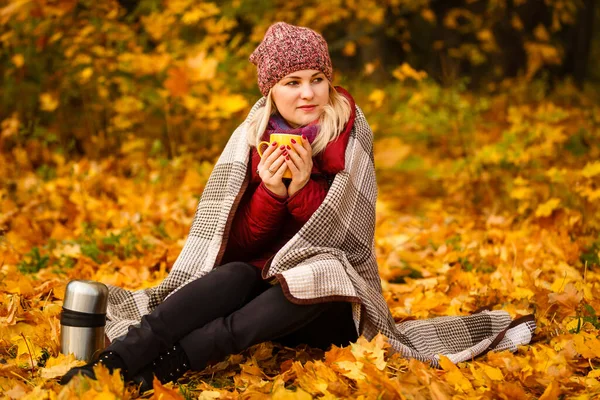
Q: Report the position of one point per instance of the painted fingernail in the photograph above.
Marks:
(287, 158)
(274, 143)
(293, 141)
(288, 147)
(285, 153)
(282, 147)
(303, 136)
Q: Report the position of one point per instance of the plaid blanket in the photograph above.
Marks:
(332, 257)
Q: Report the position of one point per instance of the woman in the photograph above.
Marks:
(289, 260)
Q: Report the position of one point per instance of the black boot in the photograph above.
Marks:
(167, 367)
(109, 359)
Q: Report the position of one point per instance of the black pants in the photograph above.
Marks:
(228, 310)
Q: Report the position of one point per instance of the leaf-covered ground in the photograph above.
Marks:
(527, 249)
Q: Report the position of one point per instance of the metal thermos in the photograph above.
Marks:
(83, 318)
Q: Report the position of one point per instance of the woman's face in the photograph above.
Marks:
(301, 96)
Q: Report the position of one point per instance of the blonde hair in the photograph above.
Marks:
(333, 119)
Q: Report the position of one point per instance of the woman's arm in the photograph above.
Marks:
(256, 222)
(305, 201)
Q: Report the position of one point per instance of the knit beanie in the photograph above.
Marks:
(287, 48)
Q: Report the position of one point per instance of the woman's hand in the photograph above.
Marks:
(271, 168)
(299, 161)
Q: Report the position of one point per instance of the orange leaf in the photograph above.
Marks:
(551, 392)
(163, 393)
(337, 354)
(177, 82)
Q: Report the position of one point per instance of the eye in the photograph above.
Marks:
(318, 80)
(291, 83)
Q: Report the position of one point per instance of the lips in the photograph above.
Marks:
(307, 108)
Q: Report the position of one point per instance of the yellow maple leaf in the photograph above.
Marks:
(522, 293)
(112, 382)
(376, 97)
(281, 393)
(589, 193)
(521, 193)
(26, 348)
(459, 381)
(546, 209)
(454, 376)
(576, 324)
(48, 102)
(493, 373)
(446, 364)
(374, 350)
(587, 345)
(591, 169)
(595, 373)
(233, 103)
(85, 75)
(18, 60)
(128, 104)
(405, 71)
(352, 369)
(316, 377)
(59, 365)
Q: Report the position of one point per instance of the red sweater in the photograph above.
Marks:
(265, 222)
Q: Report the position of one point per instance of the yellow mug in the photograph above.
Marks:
(281, 139)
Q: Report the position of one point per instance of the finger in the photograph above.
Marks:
(295, 158)
(272, 149)
(276, 164)
(281, 170)
(269, 149)
(299, 148)
(292, 167)
(275, 154)
(267, 162)
(306, 144)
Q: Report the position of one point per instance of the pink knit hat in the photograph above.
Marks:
(288, 48)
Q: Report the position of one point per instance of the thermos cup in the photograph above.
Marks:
(83, 318)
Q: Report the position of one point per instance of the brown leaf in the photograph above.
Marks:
(10, 316)
(570, 297)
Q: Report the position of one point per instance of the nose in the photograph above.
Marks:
(307, 92)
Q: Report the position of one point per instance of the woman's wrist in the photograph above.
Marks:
(294, 187)
(278, 190)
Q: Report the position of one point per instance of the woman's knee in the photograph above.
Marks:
(237, 271)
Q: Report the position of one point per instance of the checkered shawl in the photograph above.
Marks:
(331, 258)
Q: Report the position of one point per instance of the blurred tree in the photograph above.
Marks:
(578, 43)
(96, 73)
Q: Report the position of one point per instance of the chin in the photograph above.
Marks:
(307, 119)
